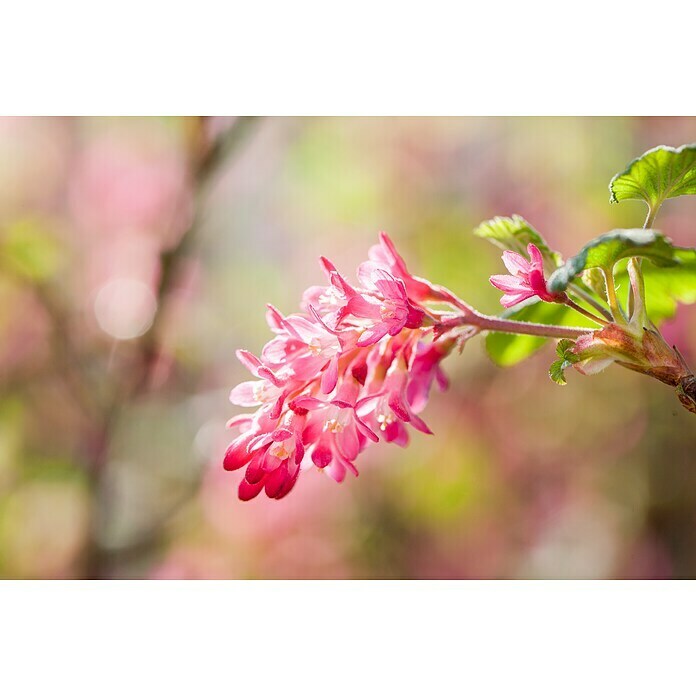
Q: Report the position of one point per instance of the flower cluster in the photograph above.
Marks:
(355, 365)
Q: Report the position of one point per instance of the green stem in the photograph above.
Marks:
(584, 312)
(590, 300)
(650, 219)
(612, 299)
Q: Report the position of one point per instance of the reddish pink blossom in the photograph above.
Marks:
(386, 255)
(354, 367)
(526, 279)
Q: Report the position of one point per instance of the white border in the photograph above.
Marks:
(350, 637)
(364, 57)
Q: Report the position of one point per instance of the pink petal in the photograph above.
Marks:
(396, 403)
(336, 471)
(310, 403)
(248, 491)
(237, 455)
(322, 456)
(366, 430)
(537, 258)
(330, 376)
(508, 283)
(371, 336)
(244, 394)
(347, 442)
(516, 263)
(276, 480)
(255, 471)
(419, 424)
(396, 432)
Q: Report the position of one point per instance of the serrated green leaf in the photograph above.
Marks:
(515, 234)
(661, 173)
(557, 371)
(564, 348)
(604, 251)
(509, 349)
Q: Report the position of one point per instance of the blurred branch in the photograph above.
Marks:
(206, 172)
(207, 167)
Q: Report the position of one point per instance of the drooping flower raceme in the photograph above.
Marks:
(356, 365)
(526, 278)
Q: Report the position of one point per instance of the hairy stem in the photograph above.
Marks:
(489, 323)
(584, 312)
(590, 300)
(612, 299)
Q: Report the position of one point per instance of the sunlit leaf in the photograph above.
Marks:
(666, 287)
(565, 359)
(557, 372)
(661, 173)
(515, 234)
(604, 251)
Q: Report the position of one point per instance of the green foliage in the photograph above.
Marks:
(509, 349)
(566, 358)
(593, 281)
(515, 234)
(604, 251)
(667, 286)
(661, 173)
(27, 250)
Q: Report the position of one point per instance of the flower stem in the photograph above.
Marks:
(488, 323)
(612, 299)
(590, 300)
(584, 312)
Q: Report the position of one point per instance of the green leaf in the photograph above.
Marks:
(667, 286)
(564, 350)
(593, 279)
(604, 251)
(515, 234)
(557, 371)
(661, 173)
(566, 358)
(509, 349)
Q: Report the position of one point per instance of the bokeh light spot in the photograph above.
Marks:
(125, 308)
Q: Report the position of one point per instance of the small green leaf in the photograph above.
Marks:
(566, 358)
(509, 349)
(515, 234)
(604, 251)
(557, 371)
(661, 173)
(564, 350)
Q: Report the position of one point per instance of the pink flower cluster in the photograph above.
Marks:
(354, 366)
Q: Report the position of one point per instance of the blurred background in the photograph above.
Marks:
(136, 255)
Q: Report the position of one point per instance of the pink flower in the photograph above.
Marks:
(272, 459)
(355, 366)
(386, 255)
(526, 279)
